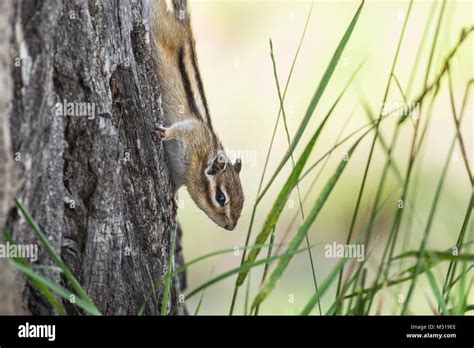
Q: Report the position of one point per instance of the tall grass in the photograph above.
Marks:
(44, 285)
(356, 294)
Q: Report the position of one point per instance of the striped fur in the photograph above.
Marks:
(191, 143)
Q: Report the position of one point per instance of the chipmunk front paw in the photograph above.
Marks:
(161, 132)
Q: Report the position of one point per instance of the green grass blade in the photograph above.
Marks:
(316, 97)
(198, 307)
(247, 296)
(458, 278)
(221, 252)
(361, 301)
(337, 304)
(267, 264)
(368, 127)
(66, 294)
(452, 265)
(185, 266)
(291, 182)
(436, 255)
(169, 272)
(463, 294)
(254, 209)
(427, 263)
(49, 248)
(40, 287)
(323, 288)
(374, 140)
(436, 291)
(288, 138)
(245, 267)
(300, 234)
(281, 199)
(431, 216)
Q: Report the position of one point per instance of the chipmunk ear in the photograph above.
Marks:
(217, 165)
(237, 165)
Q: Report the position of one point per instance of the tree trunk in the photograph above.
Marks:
(85, 101)
(9, 299)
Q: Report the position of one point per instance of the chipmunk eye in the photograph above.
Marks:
(220, 197)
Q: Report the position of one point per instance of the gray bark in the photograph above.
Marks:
(9, 299)
(98, 185)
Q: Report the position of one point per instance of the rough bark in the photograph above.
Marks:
(98, 185)
(9, 299)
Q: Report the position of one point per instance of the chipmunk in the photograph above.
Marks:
(195, 153)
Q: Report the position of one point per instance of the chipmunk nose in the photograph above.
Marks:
(229, 226)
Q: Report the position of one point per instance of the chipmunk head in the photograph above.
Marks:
(223, 198)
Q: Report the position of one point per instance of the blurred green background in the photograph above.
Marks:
(233, 49)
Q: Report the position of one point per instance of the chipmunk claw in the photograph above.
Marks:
(160, 131)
